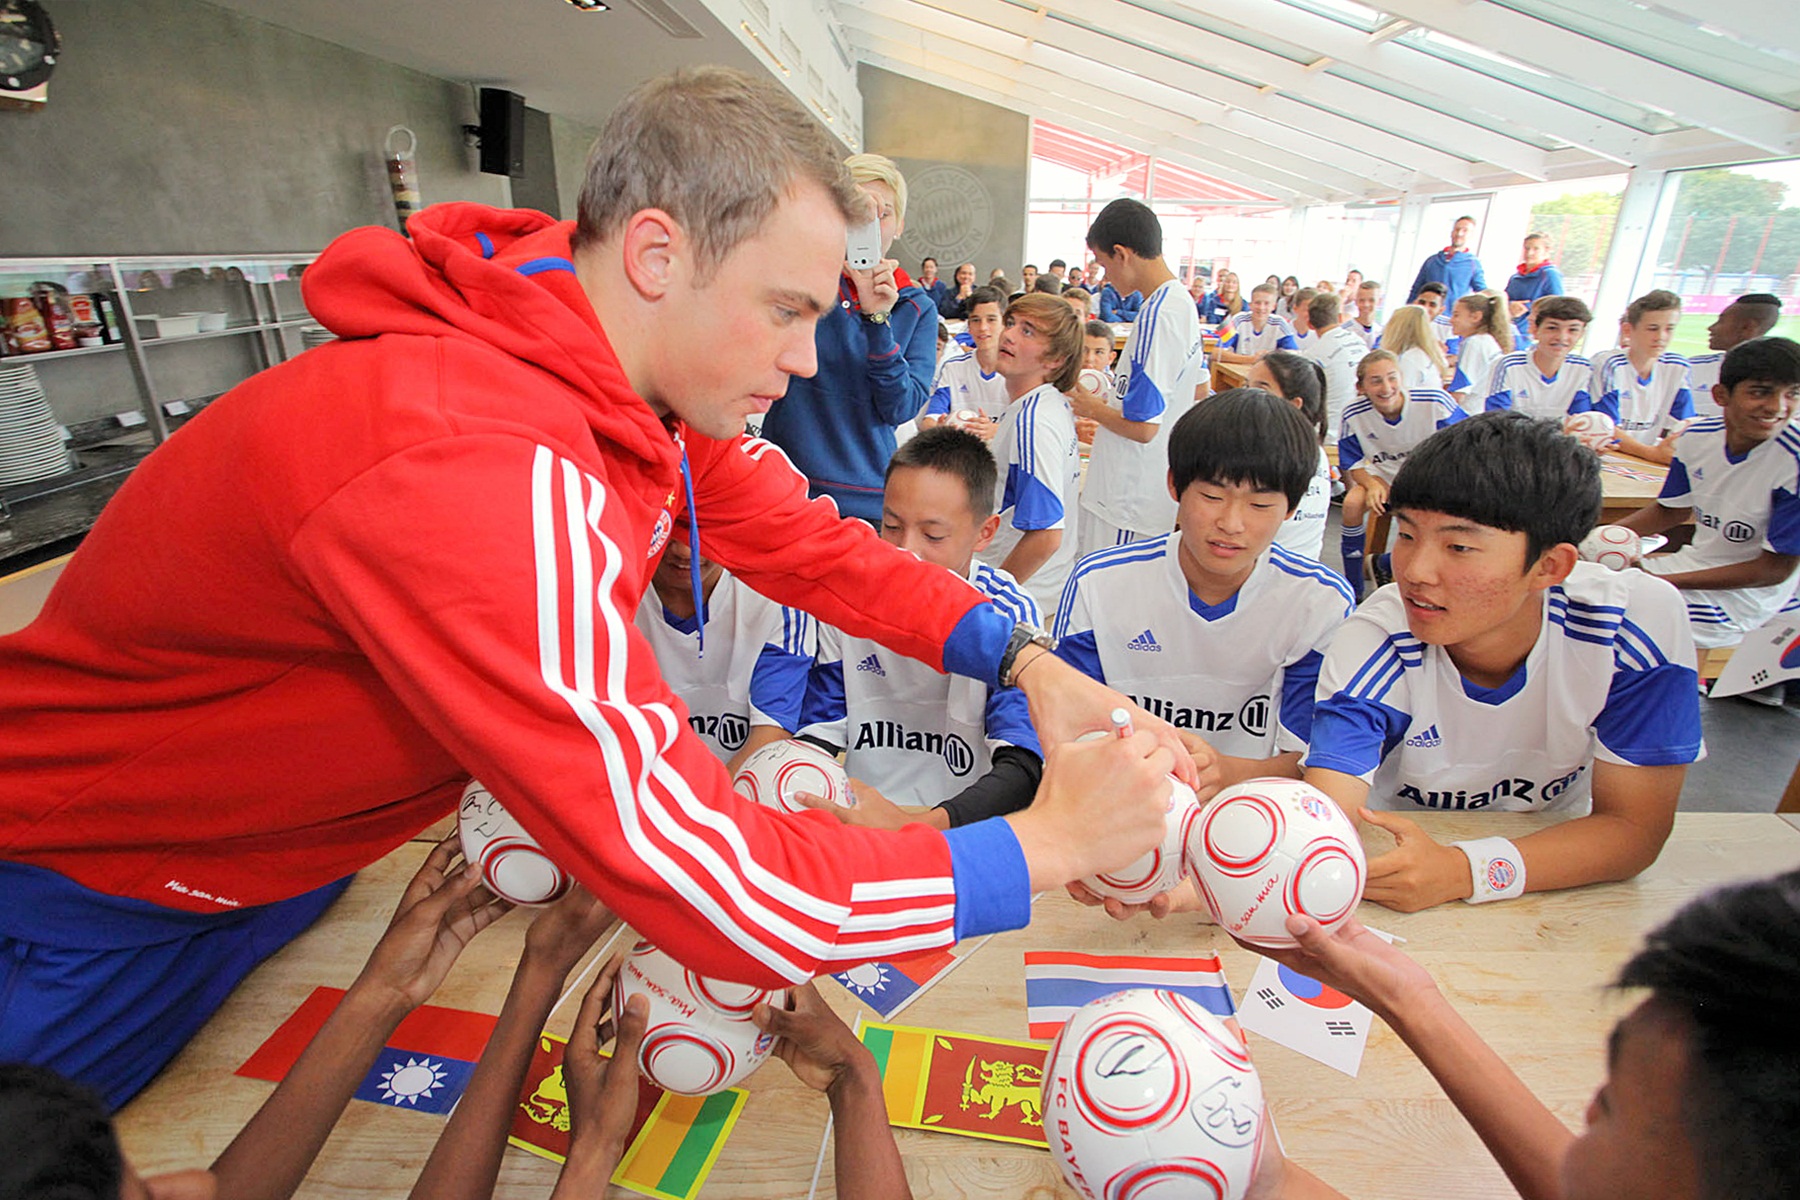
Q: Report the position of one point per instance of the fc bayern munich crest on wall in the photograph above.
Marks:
(949, 214)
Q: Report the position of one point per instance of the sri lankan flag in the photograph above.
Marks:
(986, 1088)
(673, 1142)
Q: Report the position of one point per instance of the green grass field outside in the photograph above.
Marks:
(1690, 335)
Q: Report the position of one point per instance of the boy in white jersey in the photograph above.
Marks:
(1738, 476)
(1366, 324)
(1380, 429)
(1301, 382)
(1432, 298)
(739, 665)
(1645, 389)
(1499, 672)
(1749, 316)
(913, 735)
(1257, 330)
(1040, 460)
(1096, 355)
(1213, 627)
(1124, 499)
(970, 381)
(1547, 380)
(1337, 349)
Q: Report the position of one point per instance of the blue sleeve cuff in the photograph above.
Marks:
(939, 404)
(974, 648)
(1287, 342)
(778, 685)
(993, 884)
(1081, 651)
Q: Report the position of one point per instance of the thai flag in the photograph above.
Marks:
(1057, 982)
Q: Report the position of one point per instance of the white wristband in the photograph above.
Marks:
(1496, 868)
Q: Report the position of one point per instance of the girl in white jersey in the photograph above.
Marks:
(1408, 336)
(1301, 382)
(1485, 333)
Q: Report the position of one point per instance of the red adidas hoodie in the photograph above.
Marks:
(412, 556)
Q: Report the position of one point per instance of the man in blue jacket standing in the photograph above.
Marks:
(1454, 266)
(877, 349)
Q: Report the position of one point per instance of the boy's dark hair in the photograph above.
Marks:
(1303, 379)
(1659, 300)
(1128, 223)
(1001, 284)
(1507, 471)
(1324, 310)
(56, 1139)
(1245, 436)
(957, 453)
(1098, 329)
(985, 294)
(927, 259)
(1768, 310)
(1767, 359)
(1561, 308)
(1050, 285)
(1057, 262)
(1433, 288)
(1729, 962)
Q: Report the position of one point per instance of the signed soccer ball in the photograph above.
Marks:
(1147, 1096)
(773, 775)
(1272, 848)
(1595, 430)
(1612, 546)
(512, 864)
(699, 1038)
(1164, 866)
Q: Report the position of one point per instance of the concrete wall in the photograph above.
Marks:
(965, 163)
(177, 127)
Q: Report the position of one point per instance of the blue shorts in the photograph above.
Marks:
(107, 990)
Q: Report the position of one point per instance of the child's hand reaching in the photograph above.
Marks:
(441, 910)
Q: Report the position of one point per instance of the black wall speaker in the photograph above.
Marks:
(502, 132)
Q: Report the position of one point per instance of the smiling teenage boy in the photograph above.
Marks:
(970, 381)
(1645, 389)
(1253, 333)
(1499, 672)
(1214, 627)
(1547, 380)
(1738, 476)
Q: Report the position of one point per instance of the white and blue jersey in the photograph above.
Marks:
(1240, 335)
(1742, 507)
(962, 385)
(1304, 532)
(1703, 376)
(1039, 484)
(918, 735)
(1475, 359)
(1379, 445)
(1647, 409)
(1242, 673)
(1611, 676)
(754, 670)
(1157, 374)
(1518, 383)
(1370, 334)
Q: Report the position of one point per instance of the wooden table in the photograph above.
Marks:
(1529, 974)
(1622, 495)
(1226, 376)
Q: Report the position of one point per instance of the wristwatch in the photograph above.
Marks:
(876, 318)
(1023, 635)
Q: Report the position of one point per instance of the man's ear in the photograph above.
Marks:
(1554, 565)
(1720, 394)
(1173, 494)
(985, 536)
(655, 250)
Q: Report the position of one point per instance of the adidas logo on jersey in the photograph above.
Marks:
(872, 665)
(1429, 740)
(1144, 641)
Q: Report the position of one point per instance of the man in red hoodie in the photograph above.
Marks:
(412, 556)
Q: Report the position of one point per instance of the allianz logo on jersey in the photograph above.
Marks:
(1145, 641)
(728, 729)
(1428, 740)
(892, 735)
(1525, 791)
(1733, 531)
(872, 665)
(1252, 716)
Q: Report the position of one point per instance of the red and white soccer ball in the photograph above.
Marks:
(1147, 1096)
(699, 1038)
(512, 864)
(1612, 546)
(1165, 865)
(1595, 430)
(1096, 382)
(1269, 849)
(776, 773)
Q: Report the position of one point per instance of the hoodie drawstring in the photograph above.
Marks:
(693, 524)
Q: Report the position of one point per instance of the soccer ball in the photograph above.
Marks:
(699, 1038)
(1612, 546)
(1095, 382)
(773, 775)
(1269, 849)
(512, 864)
(1595, 430)
(1164, 866)
(1147, 1096)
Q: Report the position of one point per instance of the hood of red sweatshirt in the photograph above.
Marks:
(503, 278)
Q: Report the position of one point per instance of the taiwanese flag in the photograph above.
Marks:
(887, 987)
(425, 1065)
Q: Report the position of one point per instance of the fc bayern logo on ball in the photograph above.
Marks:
(1501, 873)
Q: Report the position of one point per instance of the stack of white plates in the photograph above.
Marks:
(31, 442)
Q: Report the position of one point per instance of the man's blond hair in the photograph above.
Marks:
(1062, 330)
(715, 149)
(876, 168)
